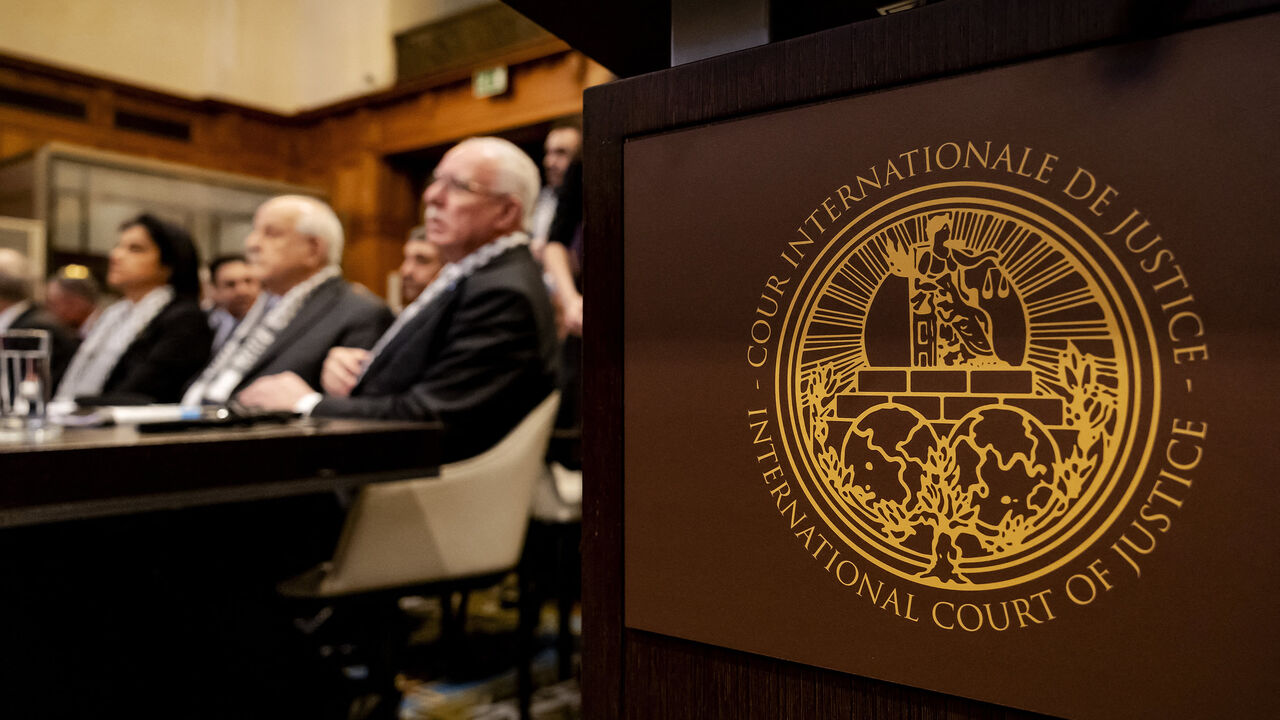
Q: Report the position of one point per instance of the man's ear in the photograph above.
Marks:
(512, 215)
(320, 249)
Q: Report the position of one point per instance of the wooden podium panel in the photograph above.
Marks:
(867, 373)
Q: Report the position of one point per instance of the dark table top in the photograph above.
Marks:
(90, 472)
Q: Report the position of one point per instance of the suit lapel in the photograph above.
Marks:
(311, 312)
(422, 325)
(27, 316)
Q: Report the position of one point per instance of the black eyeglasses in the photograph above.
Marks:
(460, 185)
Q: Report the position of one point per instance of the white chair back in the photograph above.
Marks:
(469, 521)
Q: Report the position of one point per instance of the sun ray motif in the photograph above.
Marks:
(1002, 277)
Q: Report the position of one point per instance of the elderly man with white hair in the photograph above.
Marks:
(477, 349)
(307, 308)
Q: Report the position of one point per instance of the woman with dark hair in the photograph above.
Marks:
(147, 346)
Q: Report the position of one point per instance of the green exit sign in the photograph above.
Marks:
(489, 81)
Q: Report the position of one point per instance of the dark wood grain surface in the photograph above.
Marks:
(88, 472)
(633, 674)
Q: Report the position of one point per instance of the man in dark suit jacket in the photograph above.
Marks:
(477, 349)
(295, 246)
(18, 312)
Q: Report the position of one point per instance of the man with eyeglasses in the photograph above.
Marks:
(477, 349)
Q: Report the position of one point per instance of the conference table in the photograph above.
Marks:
(95, 472)
(139, 568)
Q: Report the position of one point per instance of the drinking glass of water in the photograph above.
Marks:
(24, 384)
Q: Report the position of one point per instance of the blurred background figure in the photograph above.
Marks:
(421, 265)
(235, 290)
(18, 311)
(72, 295)
(148, 345)
(563, 145)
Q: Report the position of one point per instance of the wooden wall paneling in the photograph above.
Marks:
(372, 199)
(631, 674)
(341, 149)
(540, 90)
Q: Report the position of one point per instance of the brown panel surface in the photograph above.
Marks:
(720, 88)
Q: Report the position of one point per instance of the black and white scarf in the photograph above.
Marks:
(256, 332)
(112, 334)
(449, 277)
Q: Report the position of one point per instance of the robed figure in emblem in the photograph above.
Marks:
(949, 327)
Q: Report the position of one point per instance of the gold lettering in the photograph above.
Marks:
(862, 182)
(775, 284)
(791, 509)
(1185, 315)
(840, 577)
(1132, 214)
(808, 535)
(813, 219)
(1177, 278)
(1137, 571)
(1046, 166)
(1042, 596)
(1153, 263)
(781, 491)
(866, 584)
(846, 195)
(892, 600)
(910, 599)
(1004, 157)
(767, 332)
(938, 622)
(1093, 590)
(1185, 465)
(1080, 173)
(1151, 539)
(938, 156)
(1101, 574)
(1022, 608)
(822, 546)
(1165, 474)
(1103, 200)
(1188, 354)
(834, 555)
(889, 169)
(991, 620)
(760, 309)
(1190, 427)
(1146, 513)
(1157, 493)
(831, 210)
(1026, 153)
(960, 617)
(908, 156)
(971, 151)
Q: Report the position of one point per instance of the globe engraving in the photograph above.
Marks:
(960, 385)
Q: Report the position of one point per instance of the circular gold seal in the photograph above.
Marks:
(966, 385)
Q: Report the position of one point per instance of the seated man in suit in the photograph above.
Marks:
(295, 247)
(477, 348)
(234, 289)
(421, 265)
(72, 296)
(18, 312)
